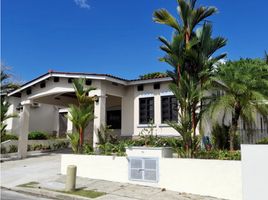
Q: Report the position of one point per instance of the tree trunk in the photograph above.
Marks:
(233, 129)
(81, 138)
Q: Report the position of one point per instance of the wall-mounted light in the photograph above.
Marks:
(95, 98)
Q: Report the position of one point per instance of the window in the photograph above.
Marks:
(56, 79)
(146, 110)
(143, 169)
(169, 108)
(43, 84)
(88, 82)
(29, 91)
(157, 86)
(114, 119)
(140, 87)
(70, 80)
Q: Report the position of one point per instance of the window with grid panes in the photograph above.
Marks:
(146, 108)
(169, 108)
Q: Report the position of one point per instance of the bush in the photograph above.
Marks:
(219, 155)
(13, 149)
(88, 149)
(263, 141)
(3, 150)
(9, 137)
(38, 135)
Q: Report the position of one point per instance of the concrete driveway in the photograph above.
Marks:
(16, 172)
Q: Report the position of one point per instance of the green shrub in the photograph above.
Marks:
(37, 135)
(13, 149)
(74, 140)
(88, 149)
(219, 155)
(263, 141)
(3, 150)
(9, 137)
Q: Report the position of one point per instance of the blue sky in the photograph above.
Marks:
(116, 37)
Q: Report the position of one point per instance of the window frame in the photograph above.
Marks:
(170, 109)
(147, 111)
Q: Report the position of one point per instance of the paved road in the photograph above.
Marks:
(11, 195)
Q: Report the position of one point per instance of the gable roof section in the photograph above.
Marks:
(93, 76)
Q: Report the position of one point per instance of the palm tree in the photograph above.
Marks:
(82, 113)
(189, 16)
(266, 57)
(187, 93)
(190, 51)
(6, 86)
(81, 116)
(245, 87)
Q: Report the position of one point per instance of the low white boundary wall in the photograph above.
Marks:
(255, 172)
(216, 178)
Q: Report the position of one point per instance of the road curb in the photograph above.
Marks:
(47, 193)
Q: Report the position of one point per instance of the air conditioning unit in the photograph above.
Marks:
(35, 105)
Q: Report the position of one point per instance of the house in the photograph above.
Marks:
(127, 105)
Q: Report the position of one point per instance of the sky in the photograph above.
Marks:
(115, 37)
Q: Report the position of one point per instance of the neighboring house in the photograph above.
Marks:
(127, 105)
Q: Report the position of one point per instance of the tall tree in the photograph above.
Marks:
(191, 50)
(245, 87)
(82, 113)
(6, 86)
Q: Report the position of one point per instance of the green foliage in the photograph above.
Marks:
(3, 150)
(105, 134)
(245, 87)
(4, 116)
(82, 113)
(9, 137)
(38, 135)
(219, 155)
(74, 140)
(13, 149)
(263, 141)
(220, 138)
(153, 75)
(88, 149)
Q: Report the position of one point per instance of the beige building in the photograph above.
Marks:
(127, 105)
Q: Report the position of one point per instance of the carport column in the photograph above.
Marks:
(24, 129)
(100, 117)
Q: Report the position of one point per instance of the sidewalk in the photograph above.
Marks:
(113, 190)
(45, 170)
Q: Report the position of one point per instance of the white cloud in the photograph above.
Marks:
(82, 3)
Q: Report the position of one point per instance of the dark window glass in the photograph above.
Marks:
(140, 87)
(146, 110)
(70, 80)
(169, 108)
(43, 84)
(56, 79)
(114, 119)
(88, 82)
(157, 86)
(29, 91)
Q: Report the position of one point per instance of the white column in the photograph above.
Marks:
(100, 117)
(69, 124)
(24, 130)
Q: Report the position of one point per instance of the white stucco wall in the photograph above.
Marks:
(44, 118)
(216, 178)
(254, 171)
(149, 91)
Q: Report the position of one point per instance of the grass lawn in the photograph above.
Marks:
(85, 193)
(29, 185)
